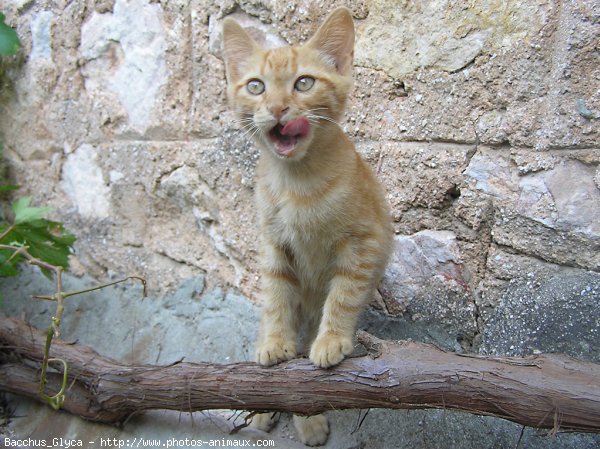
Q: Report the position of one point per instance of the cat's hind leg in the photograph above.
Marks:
(312, 430)
(264, 421)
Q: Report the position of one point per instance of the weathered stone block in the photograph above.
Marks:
(551, 213)
(402, 39)
(426, 282)
(84, 184)
(417, 175)
(557, 313)
(123, 55)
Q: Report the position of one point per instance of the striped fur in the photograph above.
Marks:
(324, 224)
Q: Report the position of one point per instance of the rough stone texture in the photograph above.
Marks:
(480, 118)
(81, 169)
(198, 323)
(122, 60)
(425, 283)
(187, 324)
(553, 313)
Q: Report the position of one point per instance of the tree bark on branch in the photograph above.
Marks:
(544, 391)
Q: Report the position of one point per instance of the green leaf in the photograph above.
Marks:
(45, 239)
(9, 40)
(8, 263)
(26, 214)
(8, 188)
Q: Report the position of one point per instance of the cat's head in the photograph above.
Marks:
(287, 97)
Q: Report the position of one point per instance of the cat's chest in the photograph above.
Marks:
(307, 216)
(303, 220)
(312, 206)
(310, 238)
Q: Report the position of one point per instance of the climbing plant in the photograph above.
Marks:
(26, 236)
(23, 228)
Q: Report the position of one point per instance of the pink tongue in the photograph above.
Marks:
(296, 128)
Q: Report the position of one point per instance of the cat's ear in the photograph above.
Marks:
(238, 46)
(335, 40)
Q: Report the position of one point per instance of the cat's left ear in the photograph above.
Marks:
(335, 40)
(238, 46)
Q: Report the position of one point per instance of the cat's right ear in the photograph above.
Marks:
(238, 46)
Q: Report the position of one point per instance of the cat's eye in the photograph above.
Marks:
(304, 83)
(255, 87)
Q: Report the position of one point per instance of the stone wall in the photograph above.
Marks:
(481, 119)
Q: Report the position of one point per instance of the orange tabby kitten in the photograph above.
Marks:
(324, 224)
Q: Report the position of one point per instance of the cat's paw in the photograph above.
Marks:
(264, 421)
(312, 430)
(329, 350)
(273, 351)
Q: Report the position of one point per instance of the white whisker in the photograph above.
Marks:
(248, 126)
(322, 117)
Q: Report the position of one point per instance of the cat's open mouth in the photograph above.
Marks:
(285, 137)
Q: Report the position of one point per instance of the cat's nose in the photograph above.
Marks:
(278, 111)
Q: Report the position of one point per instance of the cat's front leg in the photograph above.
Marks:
(357, 269)
(275, 348)
(330, 349)
(278, 329)
(335, 338)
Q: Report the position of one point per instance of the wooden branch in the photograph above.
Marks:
(548, 391)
